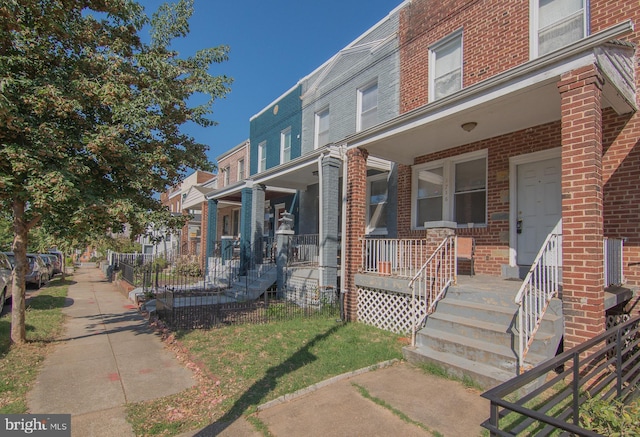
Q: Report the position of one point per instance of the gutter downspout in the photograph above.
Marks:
(343, 231)
(320, 226)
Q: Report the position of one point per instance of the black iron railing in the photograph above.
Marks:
(199, 309)
(548, 398)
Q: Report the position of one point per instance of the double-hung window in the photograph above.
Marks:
(241, 170)
(377, 187)
(285, 145)
(368, 106)
(227, 174)
(262, 156)
(556, 24)
(445, 67)
(451, 192)
(322, 128)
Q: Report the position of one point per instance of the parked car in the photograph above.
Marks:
(37, 272)
(52, 262)
(6, 270)
(57, 267)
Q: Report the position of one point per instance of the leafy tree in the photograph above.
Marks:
(90, 118)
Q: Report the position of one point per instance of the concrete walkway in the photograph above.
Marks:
(106, 358)
(431, 405)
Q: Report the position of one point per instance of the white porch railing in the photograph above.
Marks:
(400, 257)
(430, 283)
(540, 285)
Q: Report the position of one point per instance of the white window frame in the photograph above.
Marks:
(375, 178)
(285, 149)
(454, 38)
(318, 134)
(448, 190)
(534, 24)
(240, 170)
(370, 112)
(226, 175)
(262, 156)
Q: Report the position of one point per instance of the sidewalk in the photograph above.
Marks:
(107, 357)
(433, 405)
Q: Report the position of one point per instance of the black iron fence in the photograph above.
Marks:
(548, 398)
(193, 309)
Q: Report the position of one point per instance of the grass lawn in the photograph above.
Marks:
(247, 365)
(19, 365)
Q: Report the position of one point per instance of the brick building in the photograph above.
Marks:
(518, 120)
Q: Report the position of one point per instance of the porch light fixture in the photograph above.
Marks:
(469, 126)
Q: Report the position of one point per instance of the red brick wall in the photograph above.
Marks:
(232, 160)
(502, 25)
(495, 39)
(582, 224)
(492, 241)
(356, 213)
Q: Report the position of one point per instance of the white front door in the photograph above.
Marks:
(539, 206)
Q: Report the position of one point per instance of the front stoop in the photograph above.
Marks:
(473, 333)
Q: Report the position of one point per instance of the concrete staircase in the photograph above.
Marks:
(473, 332)
(253, 285)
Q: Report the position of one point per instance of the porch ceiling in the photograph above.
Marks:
(520, 98)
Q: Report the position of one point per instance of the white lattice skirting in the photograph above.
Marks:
(385, 310)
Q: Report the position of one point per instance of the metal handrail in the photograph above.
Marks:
(541, 284)
(433, 279)
(604, 367)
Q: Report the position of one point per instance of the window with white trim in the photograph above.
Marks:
(450, 192)
(262, 156)
(367, 106)
(377, 192)
(285, 145)
(226, 172)
(556, 24)
(241, 169)
(445, 67)
(322, 128)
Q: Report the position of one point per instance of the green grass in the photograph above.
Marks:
(441, 372)
(19, 365)
(248, 365)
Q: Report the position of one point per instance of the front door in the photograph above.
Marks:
(539, 206)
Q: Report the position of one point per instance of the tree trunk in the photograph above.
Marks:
(20, 233)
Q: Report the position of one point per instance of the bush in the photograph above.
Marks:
(188, 268)
(611, 418)
(159, 263)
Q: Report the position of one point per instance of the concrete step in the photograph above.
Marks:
(485, 375)
(477, 310)
(475, 330)
(497, 355)
(501, 315)
(499, 298)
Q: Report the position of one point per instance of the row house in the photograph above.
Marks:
(184, 199)
(517, 140)
(295, 170)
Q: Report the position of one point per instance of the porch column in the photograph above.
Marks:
(212, 225)
(245, 228)
(356, 222)
(582, 210)
(330, 186)
(257, 222)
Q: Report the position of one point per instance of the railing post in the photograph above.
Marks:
(576, 388)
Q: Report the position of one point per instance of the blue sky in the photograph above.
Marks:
(274, 43)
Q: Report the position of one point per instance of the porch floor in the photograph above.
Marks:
(612, 295)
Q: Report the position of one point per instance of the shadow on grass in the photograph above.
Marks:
(261, 388)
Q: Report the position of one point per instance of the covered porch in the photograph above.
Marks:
(512, 162)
